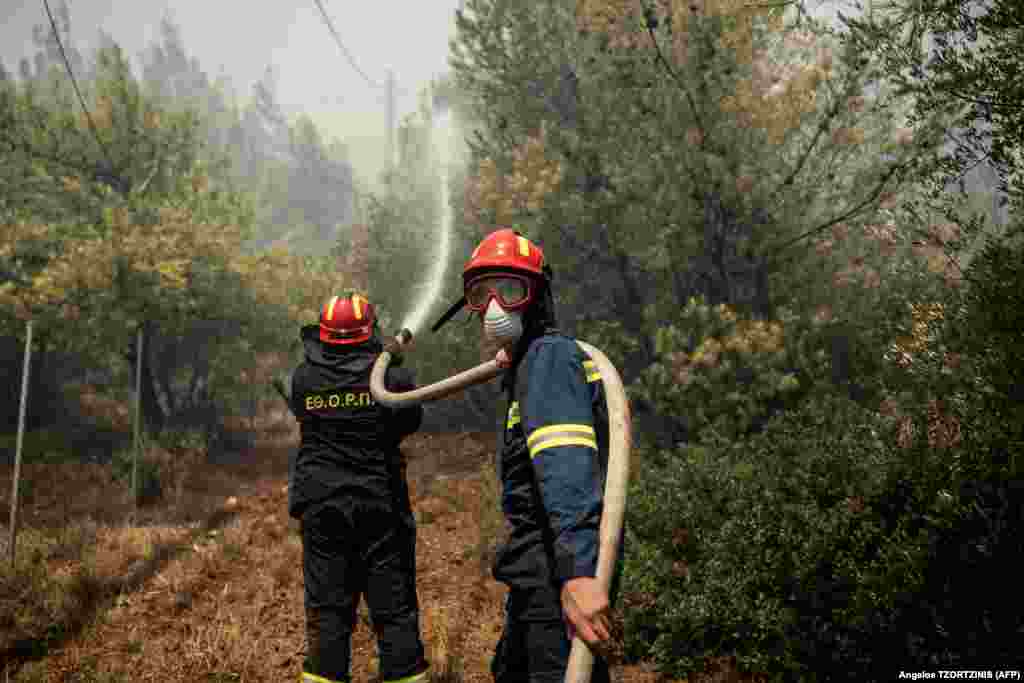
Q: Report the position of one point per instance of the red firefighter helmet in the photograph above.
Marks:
(347, 320)
(505, 250)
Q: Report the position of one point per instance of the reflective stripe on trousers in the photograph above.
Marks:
(415, 678)
(313, 678)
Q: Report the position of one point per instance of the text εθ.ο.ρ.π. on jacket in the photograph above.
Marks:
(349, 442)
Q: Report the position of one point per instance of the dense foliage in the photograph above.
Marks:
(665, 154)
(749, 212)
(740, 206)
(144, 213)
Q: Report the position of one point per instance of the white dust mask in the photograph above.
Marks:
(500, 326)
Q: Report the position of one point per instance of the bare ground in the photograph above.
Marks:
(207, 584)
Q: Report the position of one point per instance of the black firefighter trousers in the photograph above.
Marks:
(353, 547)
(534, 645)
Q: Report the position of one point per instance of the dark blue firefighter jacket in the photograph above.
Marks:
(552, 464)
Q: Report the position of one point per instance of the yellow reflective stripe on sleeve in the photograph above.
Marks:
(562, 441)
(415, 678)
(561, 435)
(559, 430)
(513, 415)
(313, 678)
(591, 370)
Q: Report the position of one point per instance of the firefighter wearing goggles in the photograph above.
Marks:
(551, 465)
(348, 488)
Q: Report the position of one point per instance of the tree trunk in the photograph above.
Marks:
(156, 373)
(39, 411)
(165, 361)
(200, 370)
(721, 273)
(629, 302)
(46, 399)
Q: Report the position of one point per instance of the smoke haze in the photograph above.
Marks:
(240, 40)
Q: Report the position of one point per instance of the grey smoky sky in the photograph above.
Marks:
(241, 38)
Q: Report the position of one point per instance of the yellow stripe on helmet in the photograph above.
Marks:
(524, 246)
(357, 306)
(330, 308)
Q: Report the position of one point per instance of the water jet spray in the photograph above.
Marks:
(441, 137)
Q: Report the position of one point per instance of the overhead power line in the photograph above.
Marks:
(109, 174)
(337, 39)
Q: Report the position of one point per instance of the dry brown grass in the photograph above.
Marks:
(89, 580)
(206, 584)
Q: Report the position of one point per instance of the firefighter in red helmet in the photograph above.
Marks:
(348, 489)
(552, 464)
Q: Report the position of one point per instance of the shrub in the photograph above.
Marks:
(842, 539)
(42, 445)
(738, 540)
(180, 439)
(148, 473)
(962, 372)
(165, 467)
(37, 603)
(724, 376)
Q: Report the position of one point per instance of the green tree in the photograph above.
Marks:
(662, 153)
(957, 52)
(125, 151)
(136, 226)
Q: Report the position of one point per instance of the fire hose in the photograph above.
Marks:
(620, 442)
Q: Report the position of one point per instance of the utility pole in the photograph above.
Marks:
(355, 263)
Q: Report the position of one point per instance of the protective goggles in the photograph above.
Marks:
(511, 291)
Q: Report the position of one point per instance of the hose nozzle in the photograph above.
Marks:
(399, 343)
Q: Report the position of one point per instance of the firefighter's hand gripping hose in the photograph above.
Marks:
(581, 659)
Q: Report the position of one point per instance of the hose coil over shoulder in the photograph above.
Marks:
(581, 659)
